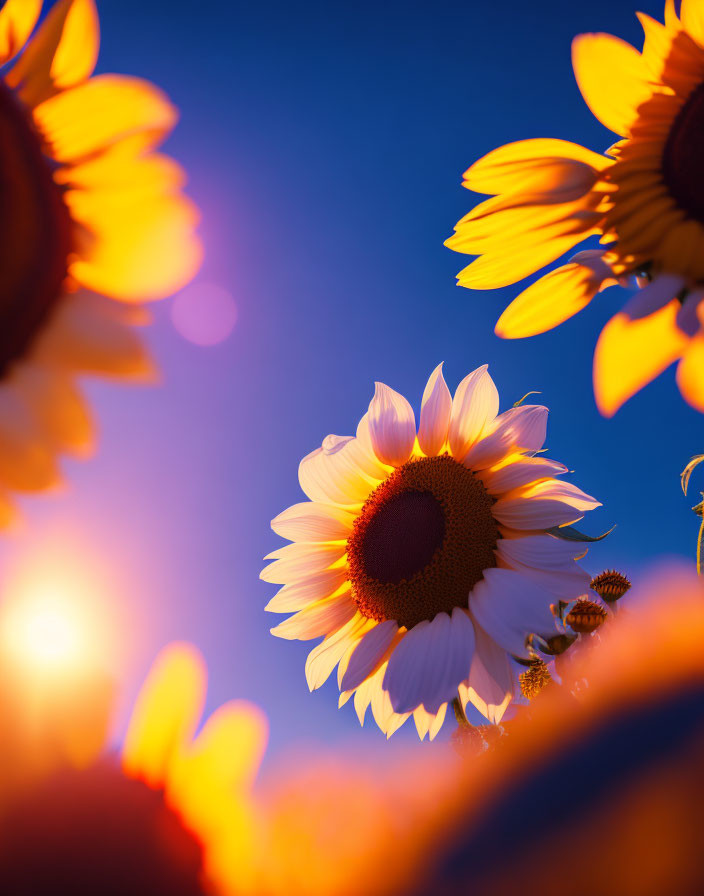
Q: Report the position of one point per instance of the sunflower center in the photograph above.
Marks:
(97, 831)
(35, 232)
(683, 153)
(421, 542)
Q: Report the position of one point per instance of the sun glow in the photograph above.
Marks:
(45, 631)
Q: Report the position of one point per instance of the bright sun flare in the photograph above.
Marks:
(44, 630)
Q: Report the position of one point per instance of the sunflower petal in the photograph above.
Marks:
(629, 354)
(612, 79)
(17, 19)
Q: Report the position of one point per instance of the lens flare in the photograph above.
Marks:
(44, 630)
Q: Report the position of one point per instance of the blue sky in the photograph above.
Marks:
(325, 145)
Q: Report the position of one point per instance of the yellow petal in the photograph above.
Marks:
(17, 19)
(62, 53)
(631, 353)
(529, 165)
(548, 302)
(94, 115)
(165, 714)
(690, 373)
(85, 334)
(136, 250)
(692, 16)
(57, 405)
(612, 79)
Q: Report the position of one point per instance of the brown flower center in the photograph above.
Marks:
(421, 542)
(683, 154)
(35, 232)
(96, 831)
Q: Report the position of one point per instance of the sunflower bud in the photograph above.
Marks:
(585, 616)
(534, 679)
(558, 644)
(610, 585)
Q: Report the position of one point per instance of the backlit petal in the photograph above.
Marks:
(548, 302)
(325, 656)
(612, 79)
(305, 591)
(318, 619)
(429, 663)
(629, 354)
(508, 606)
(491, 681)
(310, 521)
(165, 714)
(474, 407)
(516, 430)
(519, 472)
(392, 426)
(331, 473)
(368, 653)
(690, 373)
(17, 19)
(435, 414)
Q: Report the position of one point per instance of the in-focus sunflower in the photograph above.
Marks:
(424, 558)
(91, 215)
(644, 198)
(172, 815)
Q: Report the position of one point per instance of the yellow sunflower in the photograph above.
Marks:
(95, 222)
(172, 815)
(645, 199)
(426, 558)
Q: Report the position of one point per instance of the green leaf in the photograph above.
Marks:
(521, 400)
(687, 472)
(569, 533)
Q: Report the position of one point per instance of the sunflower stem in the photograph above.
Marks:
(460, 715)
(699, 547)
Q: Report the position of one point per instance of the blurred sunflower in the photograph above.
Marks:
(424, 558)
(173, 816)
(91, 215)
(645, 198)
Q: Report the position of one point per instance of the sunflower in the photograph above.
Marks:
(171, 815)
(424, 558)
(95, 223)
(644, 198)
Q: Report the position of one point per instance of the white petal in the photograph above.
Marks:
(299, 560)
(331, 474)
(437, 722)
(662, 290)
(364, 455)
(541, 551)
(519, 429)
(520, 472)
(307, 590)
(509, 606)
(429, 662)
(325, 656)
(382, 710)
(392, 426)
(422, 720)
(566, 583)
(309, 521)
(319, 619)
(544, 505)
(491, 682)
(362, 698)
(368, 653)
(435, 414)
(475, 405)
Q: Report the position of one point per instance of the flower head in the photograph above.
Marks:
(172, 815)
(610, 585)
(644, 198)
(423, 557)
(95, 223)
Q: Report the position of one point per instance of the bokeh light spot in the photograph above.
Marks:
(204, 313)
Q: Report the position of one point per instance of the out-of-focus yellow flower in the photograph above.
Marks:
(94, 224)
(645, 199)
(425, 557)
(174, 814)
(598, 793)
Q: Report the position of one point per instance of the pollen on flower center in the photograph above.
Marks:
(683, 153)
(421, 542)
(35, 234)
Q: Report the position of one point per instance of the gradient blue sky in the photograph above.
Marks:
(325, 145)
